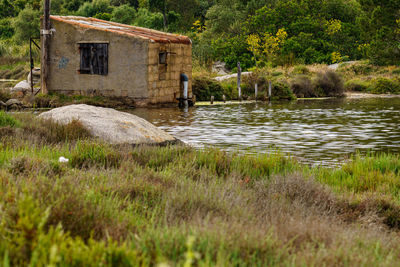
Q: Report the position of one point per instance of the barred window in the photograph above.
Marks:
(162, 57)
(94, 58)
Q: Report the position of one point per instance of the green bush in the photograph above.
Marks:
(6, 31)
(281, 91)
(26, 25)
(385, 85)
(396, 71)
(52, 132)
(230, 90)
(357, 85)
(329, 83)
(302, 86)
(147, 19)
(204, 87)
(300, 69)
(123, 14)
(362, 68)
(88, 154)
(276, 73)
(103, 16)
(7, 120)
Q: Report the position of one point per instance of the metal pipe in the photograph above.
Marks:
(185, 89)
(185, 82)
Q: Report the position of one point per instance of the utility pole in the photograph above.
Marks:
(45, 34)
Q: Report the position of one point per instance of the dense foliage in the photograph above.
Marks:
(254, 32)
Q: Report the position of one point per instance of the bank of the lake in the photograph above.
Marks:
(174, 205)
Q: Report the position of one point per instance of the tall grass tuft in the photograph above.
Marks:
(8, 120)
(90, 154)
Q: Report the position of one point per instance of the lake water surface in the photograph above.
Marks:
(316, 131)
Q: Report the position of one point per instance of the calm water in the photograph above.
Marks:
(317, 131)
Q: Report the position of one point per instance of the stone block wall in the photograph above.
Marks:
(164, 79)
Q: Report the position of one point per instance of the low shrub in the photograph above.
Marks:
(385, 85)
(361, 68)
(302, 86)
(229, 89)
(204, 87)
(276, 73)
(7, 120)
(42, 100)
(300, 69)
(4, 95)
(52, 132)
(396, 71)
(357, 85)
(249, 82)
(281, 91)
(88, 154)
(329, 83)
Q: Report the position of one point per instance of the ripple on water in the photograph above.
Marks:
(318, 131)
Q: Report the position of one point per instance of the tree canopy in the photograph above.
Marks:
(250, 31)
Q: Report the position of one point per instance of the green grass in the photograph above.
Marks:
(7, 120)
(174, 205)
(375, 173)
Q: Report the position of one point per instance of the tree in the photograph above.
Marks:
(6, 9)
(160, 5)
(26, 25)
(123, 14)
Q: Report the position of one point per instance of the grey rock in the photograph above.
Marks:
(14, 102)
(35, 74)
(2, 104)
(336, 65)
(110, 125)
(220, 68)
(230, 76)
(22, 86)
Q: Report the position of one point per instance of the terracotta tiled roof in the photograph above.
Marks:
(98, 24)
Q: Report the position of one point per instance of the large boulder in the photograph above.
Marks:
(22, 86)
(220, 68)
(13, 104)
(110, 125)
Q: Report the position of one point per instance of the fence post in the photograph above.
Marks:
(255, 91)
(239, 80)
(269, 90)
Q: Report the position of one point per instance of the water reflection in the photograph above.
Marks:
(320, 131)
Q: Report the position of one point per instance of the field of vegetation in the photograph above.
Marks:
(291, 51)
(301, 81)
(124, 205)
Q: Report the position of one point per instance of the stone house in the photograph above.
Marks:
(90, 56)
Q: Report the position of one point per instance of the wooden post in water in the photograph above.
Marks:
(269, 90)
(255, 91)
(212, 100)
(239, 81)
(224, 98)
(45, 33)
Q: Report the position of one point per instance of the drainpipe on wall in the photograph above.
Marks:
(184, 100)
